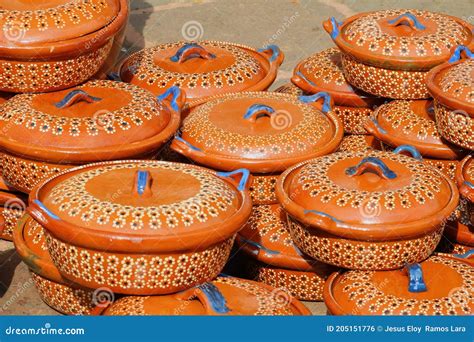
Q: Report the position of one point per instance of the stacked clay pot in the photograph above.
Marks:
(265, 132)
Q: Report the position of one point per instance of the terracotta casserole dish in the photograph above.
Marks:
(202, 69)
(57, 44)
(141, 227)
(265, 132)
(388, 53)
(366, 210)
(452, 87)
(54, 290)
(224, 296)
(43, 134)
(440, 285)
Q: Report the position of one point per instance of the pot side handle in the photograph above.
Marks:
(371, 164)
(245, 175)
(416, 282)
(209, 296)
(411, 150)
(372, 126)
(327, 219)
(327, 101)
(459, 52)
(467, 255)
(274, 54)
(41, 213)
(175, 97)
(467, 190)
(332, 26)
(75, 96)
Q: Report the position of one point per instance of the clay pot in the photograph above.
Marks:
(57, 44)
(53, 289)
(388, 53)
(202, 69)
(12, 208)
(323, 72)
(450, 84)
(359, 143)
(438, 286)
(279, 263)
(366, 210)
(265, 132)
(44, 134)
(221, 297)
(465, 182)
(141, 227)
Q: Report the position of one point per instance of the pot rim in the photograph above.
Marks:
(75, 46)
(426, 149)
(364, 232)
(262, 166)
(83, 237)
(387, 62)
(80, 156)
(36, 264)
(466, 190)
(442, 98)
(263, 84)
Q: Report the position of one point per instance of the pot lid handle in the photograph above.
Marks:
(371, 164)
(408, 19)
(275, 50)
(332, 26)
(209, 295)
(459, 52)
(243, 180)
(416, 282)
(258, 110)
(142, 183)
(191, 50)
(412, 150)
(327, 100)
(75, 96)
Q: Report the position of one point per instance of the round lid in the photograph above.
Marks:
(368, 195)
(403, 122)
(99, 120)
(323, 72)
(30, 244)
(406, 39)
(223, 296)
(266, 238)
(262, 131)
(203, 68)
(145, 206)
(437, 286)
(465, 178)
(29, 22)
(452, 83)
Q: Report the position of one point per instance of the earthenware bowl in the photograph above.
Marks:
(323, 72)
(366, 210)
(221, 297)
(438, 286)
(54, 290)
(450, 84)
(57, 44)
(46, 133)
(141, 227)
(202, 69)
(388, 53)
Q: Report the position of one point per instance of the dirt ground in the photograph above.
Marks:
(295, 26)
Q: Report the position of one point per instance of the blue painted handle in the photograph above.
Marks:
(74, 96)
(200, 52)
(114, 76)
(243, 181)
(214, 298)
(456, 56)
(192, 147)
(258, 109)
(142, 180)
(411, 18)
(313, 98)
(335, 27)
(175, 92)
(275, 52)
(416, 282)
(46, 210)
(377, 125)
(259, 246)
(469, 184)
(465, 255)
(320, 213)
(410, 149)
(377, 163)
